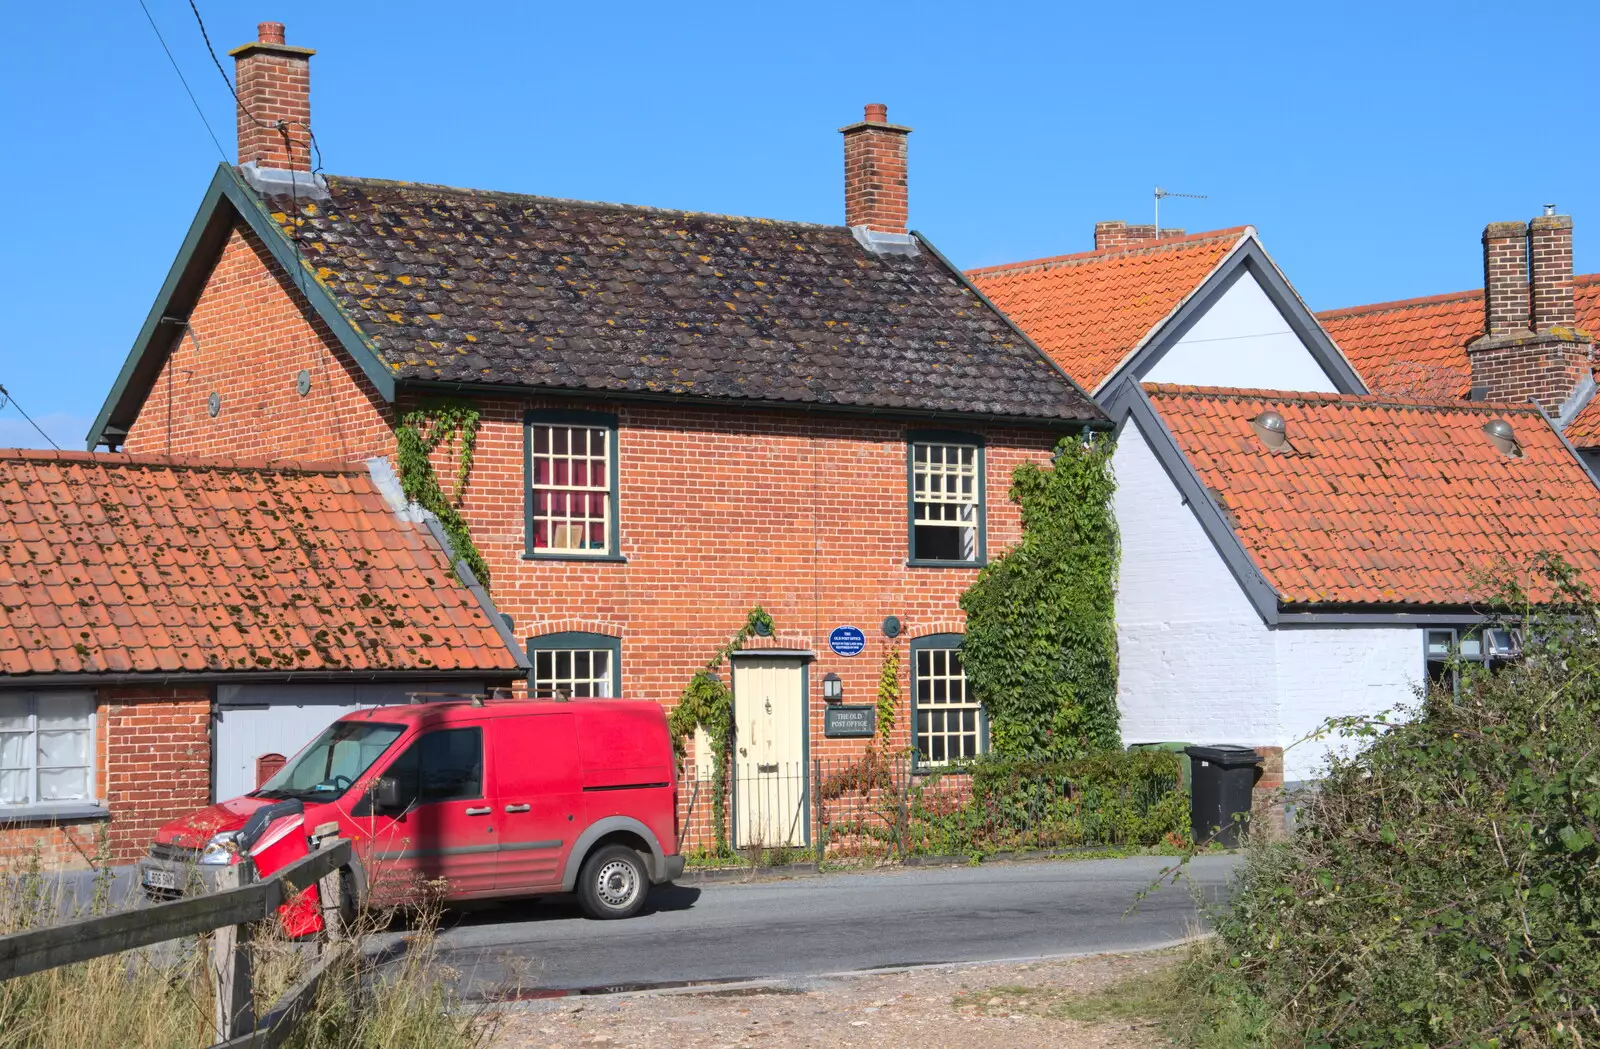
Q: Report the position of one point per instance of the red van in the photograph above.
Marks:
(504, 798)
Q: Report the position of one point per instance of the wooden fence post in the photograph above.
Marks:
(330, 890)
(231, 963)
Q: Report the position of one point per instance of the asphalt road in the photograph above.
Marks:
(831, 923)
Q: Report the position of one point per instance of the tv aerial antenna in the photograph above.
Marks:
(1168, 193)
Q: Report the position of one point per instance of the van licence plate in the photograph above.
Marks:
(160, 879)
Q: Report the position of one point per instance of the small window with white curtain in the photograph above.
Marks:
(46, 748)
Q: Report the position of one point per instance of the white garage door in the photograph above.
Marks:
(266, 721)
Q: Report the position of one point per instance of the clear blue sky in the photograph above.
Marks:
(1368, 142)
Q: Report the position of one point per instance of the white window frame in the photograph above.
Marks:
(32, 701)
(950, 645)
(551, 647)
(946, 490)
(568, 535)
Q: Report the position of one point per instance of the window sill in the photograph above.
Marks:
(915, 563)
(56, 813)
(615, 559)
(941, 770)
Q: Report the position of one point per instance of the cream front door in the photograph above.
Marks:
(769, 760)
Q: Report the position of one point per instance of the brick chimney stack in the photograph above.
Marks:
(1550, 267)
(1505, 278)
(875, 172)
(273, 81)
(1116, 236)
(1530, 346)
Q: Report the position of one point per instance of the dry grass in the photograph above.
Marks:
(161, 997)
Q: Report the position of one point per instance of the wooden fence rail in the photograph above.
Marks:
(227, 912)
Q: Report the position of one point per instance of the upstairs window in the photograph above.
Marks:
(946, 495)
(574, 665)
(572, 484)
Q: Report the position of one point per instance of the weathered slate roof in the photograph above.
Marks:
(122, 565)
(459, 285)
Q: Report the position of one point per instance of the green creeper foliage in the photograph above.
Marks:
(888, 696)
(1041, 639)
(707, 704)
(419, 434)
(1442, 887)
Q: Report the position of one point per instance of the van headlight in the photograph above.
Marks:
(221, 850)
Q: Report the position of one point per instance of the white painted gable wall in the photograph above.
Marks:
(1243, 340)
(1196, 661)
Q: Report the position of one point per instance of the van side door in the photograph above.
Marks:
(538, 798)
(445, 825)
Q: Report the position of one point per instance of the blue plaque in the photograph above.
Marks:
(847, 641)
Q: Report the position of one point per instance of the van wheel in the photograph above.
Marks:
(613, 883)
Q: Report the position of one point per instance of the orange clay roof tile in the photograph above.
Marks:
(1384, 500)
(217, 566)
(1089, 311)
(1418, 347)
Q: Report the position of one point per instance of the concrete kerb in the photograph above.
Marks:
(786, 871)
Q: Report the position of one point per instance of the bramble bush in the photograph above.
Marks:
(1442, 887)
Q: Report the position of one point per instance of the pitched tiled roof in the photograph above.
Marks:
(1091, 310)
(1384, 501)
(462, 285)
(1418, 347)
(118, 564)
(1584, 429)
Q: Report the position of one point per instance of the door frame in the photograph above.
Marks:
(805, 658)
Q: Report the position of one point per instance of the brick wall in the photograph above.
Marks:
(1266, 798)
(152, 764)
(720, 511)
(253, 333)
(158, 760)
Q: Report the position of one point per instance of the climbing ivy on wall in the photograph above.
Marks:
(453, 424)
(1041, 641)
(888, 695)
(707, 704)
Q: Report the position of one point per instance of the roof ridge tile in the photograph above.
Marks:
(1101, 254)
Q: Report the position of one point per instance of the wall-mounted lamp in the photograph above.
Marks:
(832, 688)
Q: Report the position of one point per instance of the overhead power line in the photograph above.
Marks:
(184, 81)
(7, 398)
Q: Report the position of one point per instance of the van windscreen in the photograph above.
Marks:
(333, 761)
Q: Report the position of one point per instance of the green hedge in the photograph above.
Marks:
(1109, 798)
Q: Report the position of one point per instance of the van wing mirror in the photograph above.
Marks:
(386, 793)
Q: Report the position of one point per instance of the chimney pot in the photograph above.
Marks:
(875, 194)
(270, 32)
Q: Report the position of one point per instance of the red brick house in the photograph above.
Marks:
(683, 415)
(170, 626)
